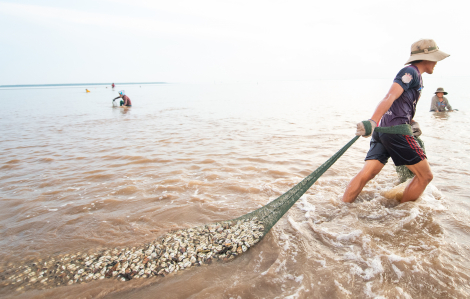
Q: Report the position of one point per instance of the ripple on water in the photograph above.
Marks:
(127, 190)
(100, 177)
(10, 166)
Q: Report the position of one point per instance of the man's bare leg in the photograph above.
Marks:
(423, 176)
(355, 186)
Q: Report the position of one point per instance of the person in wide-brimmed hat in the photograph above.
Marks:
(398, 108)
(439, 102)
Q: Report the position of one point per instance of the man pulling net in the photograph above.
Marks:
(398, 108)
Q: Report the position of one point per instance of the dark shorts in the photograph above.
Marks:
(404, 150)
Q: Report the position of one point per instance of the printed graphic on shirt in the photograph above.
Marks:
(406, 78)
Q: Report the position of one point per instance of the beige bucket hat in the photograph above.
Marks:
(440, 89)
(426, 49)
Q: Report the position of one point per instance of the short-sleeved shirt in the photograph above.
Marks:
(127, 101)
(403, 109)
(439, 106)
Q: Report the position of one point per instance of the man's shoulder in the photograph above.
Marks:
(406, 76)
(409, 69)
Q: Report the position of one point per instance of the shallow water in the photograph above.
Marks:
(79, 175)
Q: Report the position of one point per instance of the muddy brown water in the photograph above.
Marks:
(77, 175)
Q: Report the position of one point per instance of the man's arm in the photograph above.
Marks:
(394, 93)
(449, 107)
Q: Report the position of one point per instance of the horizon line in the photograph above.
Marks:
(79, 84)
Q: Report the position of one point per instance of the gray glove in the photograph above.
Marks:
(361, 129)
(416, 129)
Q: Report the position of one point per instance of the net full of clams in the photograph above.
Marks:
(175, 251)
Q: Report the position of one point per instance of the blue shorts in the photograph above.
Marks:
(403, 149)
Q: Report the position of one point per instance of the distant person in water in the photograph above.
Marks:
(439, 102)
(398, 108)
(125, 101)
(112, 85)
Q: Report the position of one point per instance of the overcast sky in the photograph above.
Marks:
(92, 41)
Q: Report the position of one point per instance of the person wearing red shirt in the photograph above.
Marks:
(126, 101)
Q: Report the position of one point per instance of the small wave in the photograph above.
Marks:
(142, 161)
(193, 183)
(53, 192)
(128, 190)
(100, 177)
(307, 207)
(170, 181)
(258, 160)
(241, 189)
(229, 169)
(396, 258)
(278, 173)
(251, 168)
(169, 188)
(46, 160)
(169, 196)
(413, 214)
(9, 166)
(51, 183)
(208, 161)
(212, 177)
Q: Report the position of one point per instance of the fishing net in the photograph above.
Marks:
(173, 251)
(269, 214)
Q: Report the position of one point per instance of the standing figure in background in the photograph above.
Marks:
(125, 99)
(112, 85)
(439, 102)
